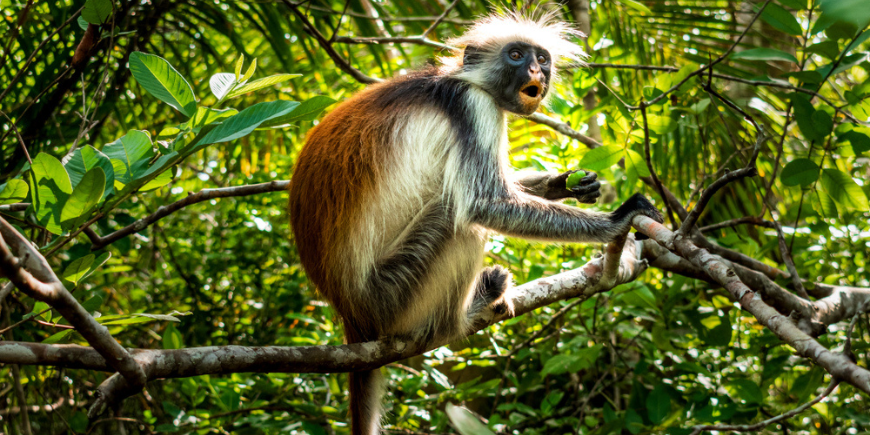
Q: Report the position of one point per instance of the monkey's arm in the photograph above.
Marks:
(552, 186)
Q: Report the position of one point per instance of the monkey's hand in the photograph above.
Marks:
(586, 191)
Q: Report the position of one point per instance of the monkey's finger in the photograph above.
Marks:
(585, 188)
(590, 176)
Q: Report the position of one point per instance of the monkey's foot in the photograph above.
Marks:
(492, 285)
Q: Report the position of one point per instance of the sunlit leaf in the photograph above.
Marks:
(799, 172)
(52, 188)
(161, 80)
(601, 157)
(13, 191)
(465, 422)
(260, 84)
(843, 189)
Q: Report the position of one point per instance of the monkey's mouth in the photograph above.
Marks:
(531, 90)
(531, 95)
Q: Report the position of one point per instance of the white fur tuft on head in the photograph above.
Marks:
(494, 31)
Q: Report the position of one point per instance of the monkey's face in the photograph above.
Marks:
(523, 79)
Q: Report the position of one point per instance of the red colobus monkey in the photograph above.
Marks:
(396, 190)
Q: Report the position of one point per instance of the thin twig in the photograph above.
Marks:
(440, 19)
(193, 198)
(746, 220)
(760, 425)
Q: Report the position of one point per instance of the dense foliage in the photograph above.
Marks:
(176, 96)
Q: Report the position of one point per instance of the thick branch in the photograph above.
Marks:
(618, 266)
(203, 195)
(30, 272)
(838, 365)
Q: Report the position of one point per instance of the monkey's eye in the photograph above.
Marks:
(515, 55)
(543, 59)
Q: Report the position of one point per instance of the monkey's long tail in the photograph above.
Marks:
(366, 391)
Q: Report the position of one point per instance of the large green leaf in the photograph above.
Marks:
(658, 404)
(601, 157)
(465, 422)
(843, 189)
(13, 191)
(97, 11)
(260, 84)
(860, 142)
(307, 111)
(764, 54)
(206, 115)
(161, 80)
(247, 121)
(852, 11)
(52, 190)
(86, 158)
(799, 172)
(134, 149)
(78, 268)
(83, 198)
(781, 19)
(634, 162)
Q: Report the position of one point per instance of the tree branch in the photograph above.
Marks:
(203, 195)
(31, 274)
(620, 264)
(781, 325)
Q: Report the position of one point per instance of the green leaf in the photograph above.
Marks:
(860, 142)
(601, 157)
(99, 261)
(781, 19)
(858, 41)
(172, 338)
(161, 80)
(852, 11)
(56, 338)
(83, 198)
(239, 63)
(78, 268)
(658, 404)
(250, 73)
(256, 85)
(822, 123)
(52, 189)
(843, 189)
(636, 6)
(206, 115)
(135, 150)
(307, 111)
(97, 11)
(247, 121)
(83, 23)
(559, 364)
(157, 182)
(764, 54)
(86, 158)
(465, 422)
(826, 206)
(795, 4)
(827, 48)
(746, 390)
(92, 304)
(221, 84)
(13, 191)
(799, 172)
(634, 162)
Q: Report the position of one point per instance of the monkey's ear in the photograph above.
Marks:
(471, 56)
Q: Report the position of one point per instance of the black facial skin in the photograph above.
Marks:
(519, 63)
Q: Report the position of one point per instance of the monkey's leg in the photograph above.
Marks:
(397, 293)
(552, 186)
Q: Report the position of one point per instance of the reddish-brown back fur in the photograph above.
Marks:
(336, 169)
